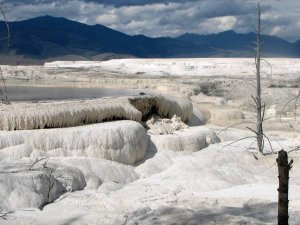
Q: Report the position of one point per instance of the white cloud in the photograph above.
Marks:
(108, 19)
(221, 23)
(276, 30)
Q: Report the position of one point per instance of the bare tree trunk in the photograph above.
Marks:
(259, 122)
(283, 190)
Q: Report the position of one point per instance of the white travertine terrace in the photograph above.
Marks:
(121, 141)
(27, 116)
(187, 67)
(196, 138)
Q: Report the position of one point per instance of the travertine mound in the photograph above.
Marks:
(40, 115)
(168, 106)
(28, 189)
(33, 183)
(99, 171)
(26, 116)
(122, 141)
(164, 106)
(190, 140)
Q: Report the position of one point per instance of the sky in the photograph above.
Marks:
(156, 18)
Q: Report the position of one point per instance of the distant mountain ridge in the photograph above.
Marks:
(48, 38)
(230, 40)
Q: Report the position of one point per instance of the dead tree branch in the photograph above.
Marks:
(4, 215)
(37, 160)
(7, 37)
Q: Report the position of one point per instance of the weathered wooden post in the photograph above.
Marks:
(283, 191)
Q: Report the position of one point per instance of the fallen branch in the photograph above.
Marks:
(4, 215)
(238, 141)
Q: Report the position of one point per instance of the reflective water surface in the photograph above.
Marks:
(33, 93)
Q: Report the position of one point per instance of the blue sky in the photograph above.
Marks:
(167, 17)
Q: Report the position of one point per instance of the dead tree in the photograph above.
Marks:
(257, 99)
(259, 106)
(283, 191)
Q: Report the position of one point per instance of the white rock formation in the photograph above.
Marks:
(170, 106)
(221, 185)
(204, 99)
(165, 126)
(190, 140)
(97, 172)
(271, 112)
(121, 141)
(26, 116)
(72, 64)
(219, 115)
(159, 162)
(28, 189)
(199, 117)
(31, 183)
(164, 106)
(193, 67)
(28, 183)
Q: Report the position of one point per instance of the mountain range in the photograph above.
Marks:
(47, 38)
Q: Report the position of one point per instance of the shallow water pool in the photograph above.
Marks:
(33, 93)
